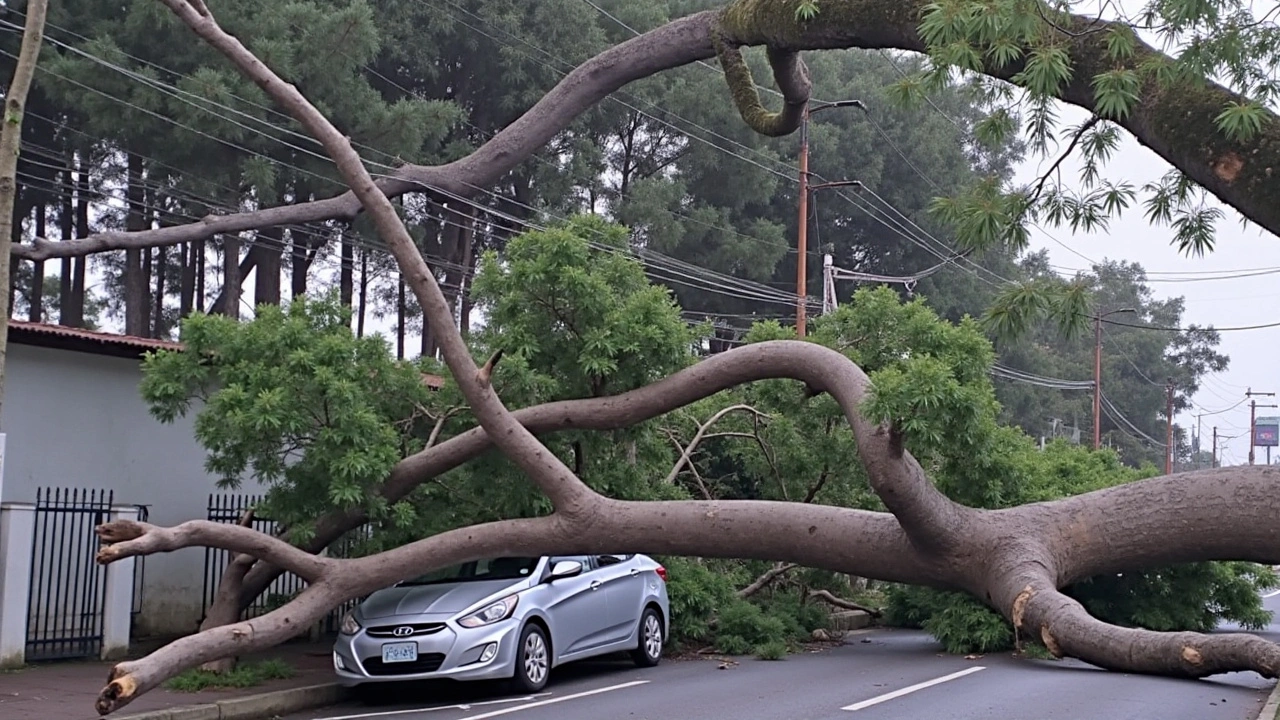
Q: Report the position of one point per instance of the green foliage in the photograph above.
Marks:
(244, 675)
(772, 650)
(296, 401)
(957, 620)
(696, 591)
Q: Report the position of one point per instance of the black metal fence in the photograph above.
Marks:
(230, 508)
(68, 587)
(139, 568)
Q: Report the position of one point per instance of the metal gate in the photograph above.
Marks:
(230, 508)
(68, 587)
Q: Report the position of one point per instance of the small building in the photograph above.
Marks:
(78, 434)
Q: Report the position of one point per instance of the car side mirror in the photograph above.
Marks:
(565, 569)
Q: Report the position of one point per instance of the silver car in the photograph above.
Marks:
(511, 618)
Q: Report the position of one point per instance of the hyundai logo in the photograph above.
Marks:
(402, 631)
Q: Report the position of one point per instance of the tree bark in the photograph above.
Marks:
(78, 291)
(298, 264)
(66, 225)
(266, 278)
(247, 265)
(364, 291)
(135, 288)
(15, 101)
(232, 280)
(346, 275)
(36, 309)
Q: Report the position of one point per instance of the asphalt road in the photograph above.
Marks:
(877, 675)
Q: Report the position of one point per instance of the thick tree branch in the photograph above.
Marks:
(1068, 630)
(792, 78)
(130, 538)
(568, 494)
(1177, 123)
(827, 597)
(767, 577)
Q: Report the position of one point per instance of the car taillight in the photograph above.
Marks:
(662, 572)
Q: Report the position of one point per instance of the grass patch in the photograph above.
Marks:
(243, 676)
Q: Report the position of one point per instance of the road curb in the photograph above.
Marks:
(1271, 706)
(261, 706)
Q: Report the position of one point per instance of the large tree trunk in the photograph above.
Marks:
(246, 266)
(364, 290)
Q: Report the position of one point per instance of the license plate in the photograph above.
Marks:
(399, 652)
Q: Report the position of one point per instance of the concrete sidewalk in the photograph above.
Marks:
(67, 690)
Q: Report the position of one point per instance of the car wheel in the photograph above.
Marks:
(533, 660)
(648, 651)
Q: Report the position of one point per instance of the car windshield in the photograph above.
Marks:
(505, 568)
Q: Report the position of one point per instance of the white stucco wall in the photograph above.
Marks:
(76, 420)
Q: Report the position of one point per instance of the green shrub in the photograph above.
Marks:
(696, 592)
(774, 650)
(957, 620)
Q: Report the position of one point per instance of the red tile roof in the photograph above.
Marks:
(104, 343)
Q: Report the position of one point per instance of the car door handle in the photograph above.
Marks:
(635, 572)
(595, 584)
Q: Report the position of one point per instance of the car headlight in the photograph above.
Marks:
(500, 610)
(349, 624)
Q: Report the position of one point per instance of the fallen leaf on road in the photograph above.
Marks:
(972, 657)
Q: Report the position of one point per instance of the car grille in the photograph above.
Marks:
(429, 662)
(386, 631)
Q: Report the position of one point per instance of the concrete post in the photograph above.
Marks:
(17, 536)
(117, 609)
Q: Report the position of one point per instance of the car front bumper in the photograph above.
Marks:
(454, 653)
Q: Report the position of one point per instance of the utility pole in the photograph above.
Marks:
(1213, 459)
(1168, 443)
(1253, 418)
(1097, 374)
(802, 235)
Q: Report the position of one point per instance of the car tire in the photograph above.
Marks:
(648, 650)
(533, 660)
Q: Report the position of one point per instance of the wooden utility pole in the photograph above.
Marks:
(1213, 459)
(1168, 443)
(802, 243)
(802, 235)
(1253, 417)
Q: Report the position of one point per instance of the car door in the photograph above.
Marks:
(622, 581)
(577, 610)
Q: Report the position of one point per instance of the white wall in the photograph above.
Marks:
(77, 420)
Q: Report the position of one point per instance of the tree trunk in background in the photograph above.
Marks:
(266, 279)
(76, 306)
(37, 272)
(466, 261)
(247, 265)
(364, 290)
(15, 237)
(231, 277)
(187, 293)
(66, 224)
(158, 327)
(300, 243)
(135, 219)
(346, 275)
(400, 313)
(198, 251)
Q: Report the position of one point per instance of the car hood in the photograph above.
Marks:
(444, 598)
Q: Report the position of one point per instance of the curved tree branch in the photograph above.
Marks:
(698, 437)
(1177, 123)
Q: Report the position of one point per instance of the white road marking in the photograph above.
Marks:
(910, 689)
(1273, 593)
(433, 708)
(553, 700)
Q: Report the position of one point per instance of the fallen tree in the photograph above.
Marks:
(1015, 560)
